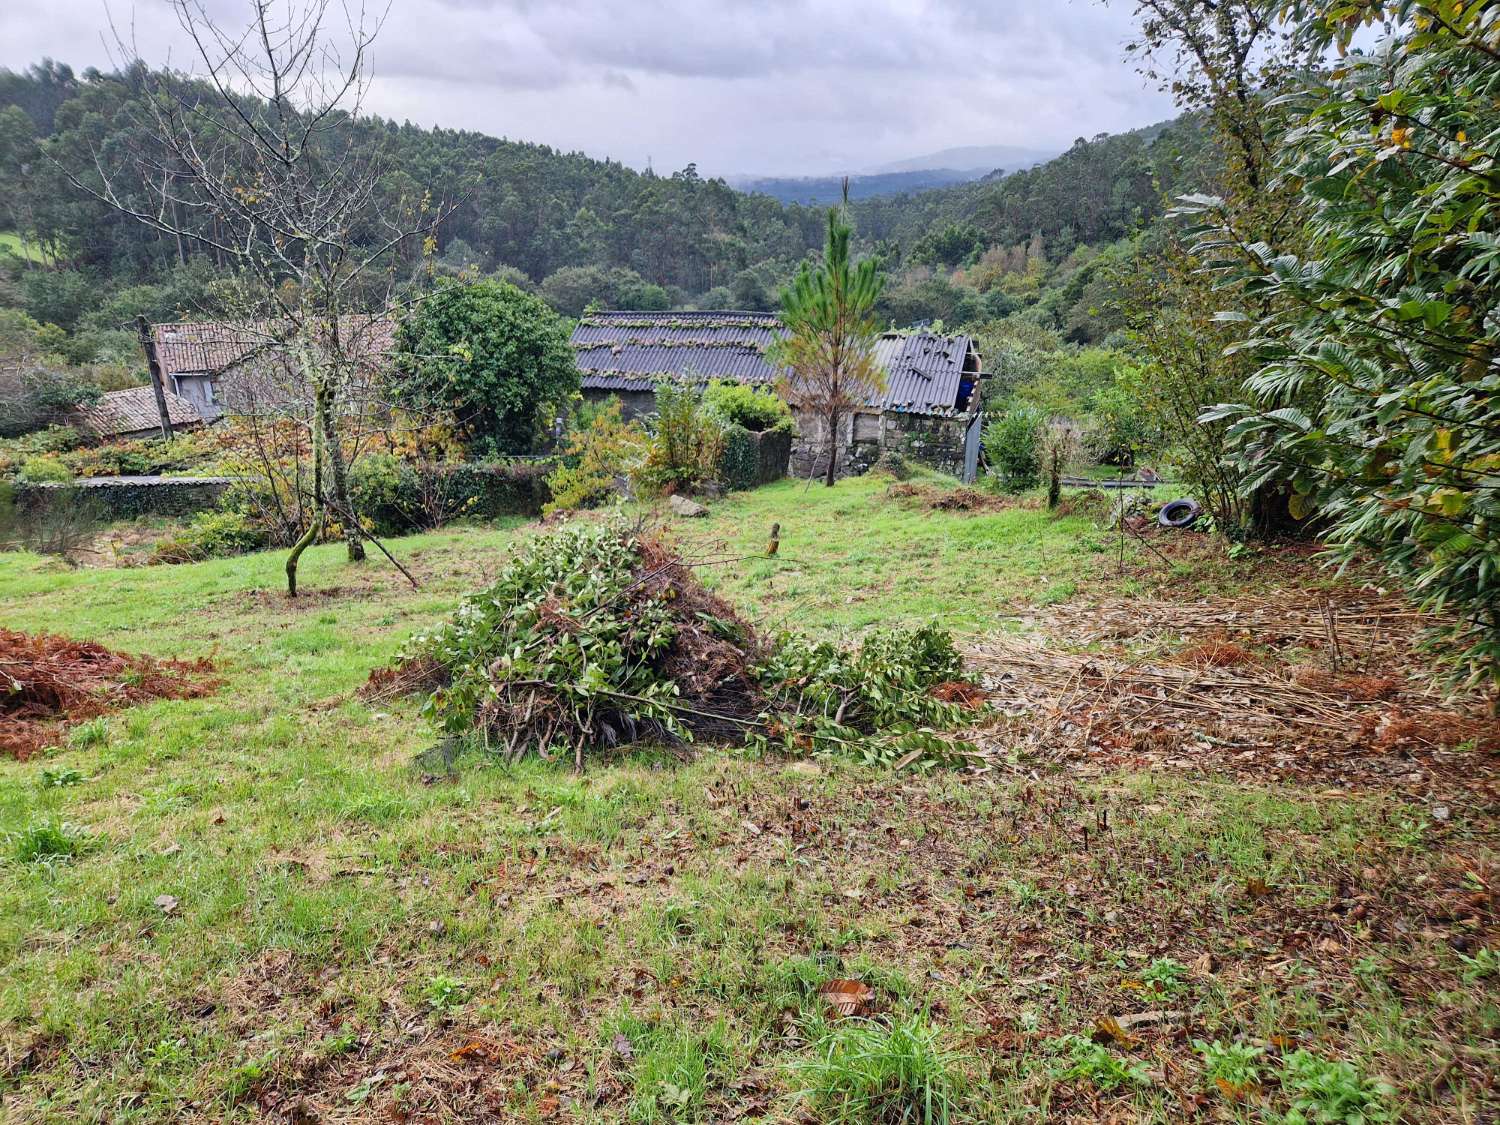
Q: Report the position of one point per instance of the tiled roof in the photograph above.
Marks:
(632, 351)
(132, 410)
(211, 347)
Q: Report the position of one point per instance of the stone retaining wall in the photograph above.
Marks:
(125, 498)
(930, 439)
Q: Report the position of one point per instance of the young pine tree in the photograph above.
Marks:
(829, 347)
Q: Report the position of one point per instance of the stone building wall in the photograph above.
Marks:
(932, 440)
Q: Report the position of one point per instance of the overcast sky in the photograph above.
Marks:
(759, 86)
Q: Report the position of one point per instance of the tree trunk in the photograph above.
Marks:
(339, 471)
(315, 527)
(833, 449)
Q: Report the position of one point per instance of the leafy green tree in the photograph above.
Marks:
(1013, 446)
(1378, 393)
(495, 357)
(829, 347)
(58, 296)
(1225, 61)
(950, 246)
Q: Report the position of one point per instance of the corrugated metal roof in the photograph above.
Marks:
(132, 410)
(631, 351)
(922, 371)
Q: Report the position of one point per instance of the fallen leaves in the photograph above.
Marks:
(1109, 1030)
(847, 997)
(167, 903)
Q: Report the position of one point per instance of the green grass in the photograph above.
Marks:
(10, 242)
(213, 908)
(850, 557)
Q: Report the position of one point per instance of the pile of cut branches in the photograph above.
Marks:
(47, 682)
(595, 636)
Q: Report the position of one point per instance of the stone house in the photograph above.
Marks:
(929, 410)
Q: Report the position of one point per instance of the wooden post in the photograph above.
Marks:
(148, 345)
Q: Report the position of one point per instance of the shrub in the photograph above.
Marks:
(1012, 445)
(34, 394)
(147, 456)
(741, 405)
(862, 1072)
(494, 356)
(1118, 428)
(44, 469)
(212, 535)
(383, 490)
(68, 521)
(601, 452)
(397, 497)
(685, 443)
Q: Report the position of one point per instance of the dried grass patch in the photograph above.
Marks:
(48, 682)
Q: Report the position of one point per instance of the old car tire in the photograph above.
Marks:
(1178, 513)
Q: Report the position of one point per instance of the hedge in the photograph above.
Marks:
(397, 497)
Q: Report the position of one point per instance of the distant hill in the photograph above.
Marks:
(972, 158)
(902, 177)
(828, 189)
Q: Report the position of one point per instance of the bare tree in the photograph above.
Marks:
(257, 158)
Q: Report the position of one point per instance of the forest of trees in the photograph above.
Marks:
(581, 230)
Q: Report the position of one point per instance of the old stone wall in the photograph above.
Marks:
(931, 440)
(633, 404)
(125, 498)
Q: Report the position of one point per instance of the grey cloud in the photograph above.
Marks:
(735, 85)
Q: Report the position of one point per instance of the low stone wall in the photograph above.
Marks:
(125, 498)
(933, 440)
(750, 460)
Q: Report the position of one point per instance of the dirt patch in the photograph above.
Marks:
(956, 499)
(50, 682)
(1328, 686)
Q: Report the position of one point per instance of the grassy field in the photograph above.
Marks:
(275, 909)
(10, 242)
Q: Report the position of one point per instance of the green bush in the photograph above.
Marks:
(397, 497)
(212, 535)
(384, 491)
(44, 468)
(1119, 429)
(685, 443)
(1012, 445)
(146, 456)
(736, 404)
(604, 449)
(494, 357)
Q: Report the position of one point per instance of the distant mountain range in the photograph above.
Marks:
(918, 173)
